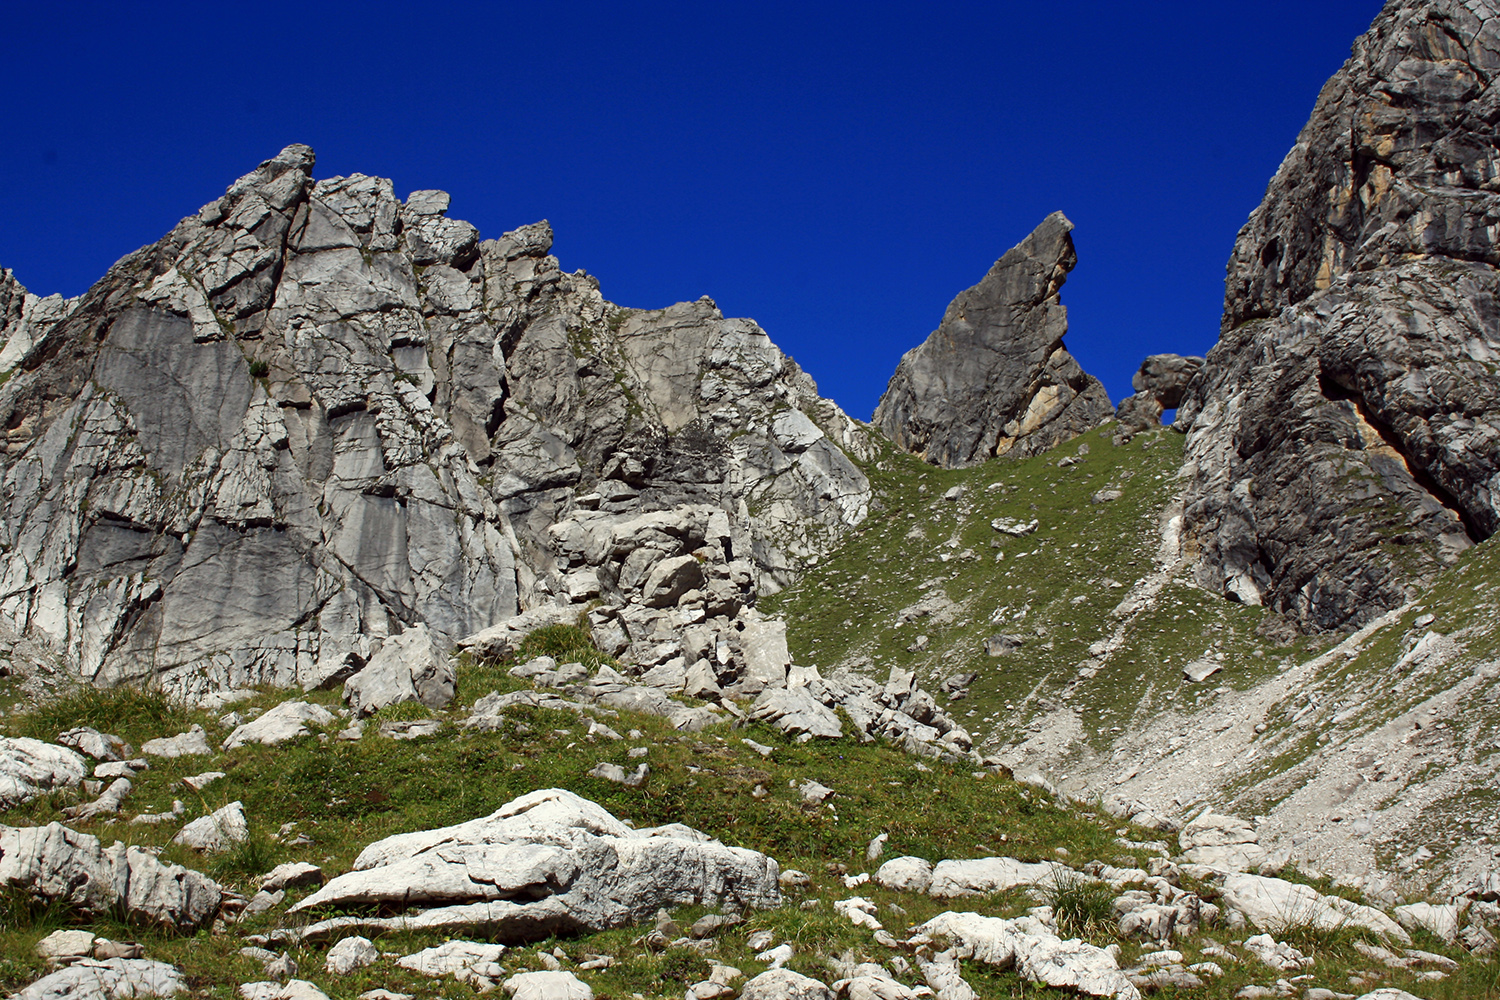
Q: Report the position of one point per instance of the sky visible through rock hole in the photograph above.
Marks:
(838, 172)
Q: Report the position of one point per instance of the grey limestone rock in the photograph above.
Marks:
(188, 744)
(408, 667)
(1342, 435)
(312, 418)
(218, 831)
(111, 979)
(546, 863)
(784, 984)
(350, 953)
(554, 984)
(30, 767)
(1035, 952)
(995, 378)
(286, 721)
(55, 863)
(1159, 384)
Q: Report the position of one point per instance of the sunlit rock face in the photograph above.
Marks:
(313, 416)
(1343, 432)
(994, 378)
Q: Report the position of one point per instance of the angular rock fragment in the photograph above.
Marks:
(112, 979)
(473, 962)
(994, 378)
(552, 985)
(29, 767)
(408, 667)
(190, 743)
(286, 721)
(784, 984)
(218, 831)
(1274, 904)
(1034, 951)
(54, 863)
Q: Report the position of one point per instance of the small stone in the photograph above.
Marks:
(198, 782)
(351, 953)
(65, 947)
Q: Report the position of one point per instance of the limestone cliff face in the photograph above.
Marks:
(994, 378)
(1345, 432)
(312, 416)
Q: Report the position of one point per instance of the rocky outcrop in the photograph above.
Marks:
(546, 863)
(80, 875)
(312, 417)
(30, 767)
(1159, 385)
(994, 378)
(1343, 432)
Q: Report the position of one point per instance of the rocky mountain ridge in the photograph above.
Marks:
(313, 417)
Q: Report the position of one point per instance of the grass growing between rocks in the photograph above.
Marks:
(340, 795)
(925, 566)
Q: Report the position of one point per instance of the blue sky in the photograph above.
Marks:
(836, 171)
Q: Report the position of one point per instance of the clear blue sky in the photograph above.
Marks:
(836, 171)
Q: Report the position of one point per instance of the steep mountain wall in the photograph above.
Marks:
(312, 416)
(994, 378)
(1345, 432)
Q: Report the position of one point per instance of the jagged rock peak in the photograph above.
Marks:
(313, 417)
(1345, 430)
(994, 378)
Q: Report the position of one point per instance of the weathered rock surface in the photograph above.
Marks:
(312, 417)
(473, 962)
(1159, 385)
(30, 767)
(1275, 904)
(350, 953)
(286, 721)
(408, 667)
(74, 869)
(784, 984)
(983, 876)
(995, 378)
(549, 985)
(1345, 431)
(218, 831)
(546, 863)
(1034, 951)
(113, 979)
(1224, 842)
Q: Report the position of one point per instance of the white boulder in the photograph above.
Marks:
(112, 979)
(351, 953)
(547, 862)
(905, 874)
(1274, 904)
(285, 722)
(30, 767)
(1035, 952)
(218, 831)
(553, 985)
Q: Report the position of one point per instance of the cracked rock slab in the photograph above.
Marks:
(549, 862)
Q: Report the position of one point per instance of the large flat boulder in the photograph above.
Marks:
(549, 862)
(1034, 951)
(1274, 904)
